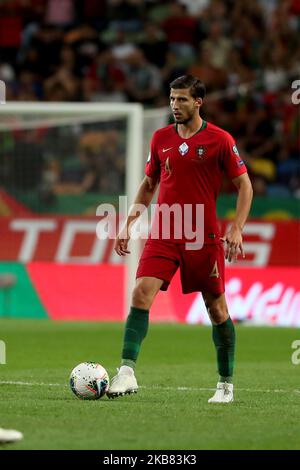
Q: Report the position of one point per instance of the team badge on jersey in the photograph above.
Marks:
(200, 151)
(183, 148)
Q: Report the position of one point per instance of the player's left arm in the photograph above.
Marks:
(233, 237)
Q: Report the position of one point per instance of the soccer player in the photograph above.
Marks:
(188, 160)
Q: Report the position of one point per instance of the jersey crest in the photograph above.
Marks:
(200, 151)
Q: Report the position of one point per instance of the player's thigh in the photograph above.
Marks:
(159, 260)
(203, 270)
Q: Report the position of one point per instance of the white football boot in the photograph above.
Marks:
(10, 435)
(124, 383)
(223, 394)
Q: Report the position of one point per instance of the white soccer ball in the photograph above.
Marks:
(89, 381)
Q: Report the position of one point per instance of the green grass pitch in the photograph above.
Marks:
(176, 371)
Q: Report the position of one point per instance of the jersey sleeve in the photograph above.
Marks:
(152, 167)
(232, 163)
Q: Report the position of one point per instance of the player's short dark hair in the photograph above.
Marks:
(197, 88)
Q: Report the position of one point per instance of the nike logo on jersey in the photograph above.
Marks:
(165, 150)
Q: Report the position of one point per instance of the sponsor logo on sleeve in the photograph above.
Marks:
(239, 161)
(235, 150)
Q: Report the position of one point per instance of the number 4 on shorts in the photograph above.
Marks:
(215, 271)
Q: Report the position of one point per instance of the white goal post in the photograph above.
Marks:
(23, 115)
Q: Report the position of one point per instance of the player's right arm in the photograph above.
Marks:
(143, 197)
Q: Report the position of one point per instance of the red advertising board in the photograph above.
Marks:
(261, 296)
(73, 240)
(80, 292)
(79, 277)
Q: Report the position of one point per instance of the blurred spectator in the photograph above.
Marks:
(144, 79)
(28, 87)
(172, 69)
(10, 29)
(84, 40)
(60, 13)
(125, 15)
(238, 73)
(99, 168)
(94, 12)
(274, 75)
(121, 47)
(195, 7)
(47, 42)
(217, 45)
(247, 53)
(154, 44)
(181, 32)
(259, 134)
(105, 79)
(213, 76)
(66, 75)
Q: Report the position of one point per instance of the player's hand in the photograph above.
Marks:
(233, 243)
(121, 242)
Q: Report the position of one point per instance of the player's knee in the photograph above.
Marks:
(141, 297)
(218, 314)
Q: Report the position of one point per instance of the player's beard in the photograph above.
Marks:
(189, 115)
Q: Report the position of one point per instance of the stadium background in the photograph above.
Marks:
(54, 177)
(55, 172)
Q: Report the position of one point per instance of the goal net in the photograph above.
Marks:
(58, 158)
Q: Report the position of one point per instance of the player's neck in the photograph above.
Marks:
(190, 128)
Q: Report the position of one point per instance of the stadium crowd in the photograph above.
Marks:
(247, 54)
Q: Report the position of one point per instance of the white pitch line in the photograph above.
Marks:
(202, 389)
(154, 387)
(30, 384)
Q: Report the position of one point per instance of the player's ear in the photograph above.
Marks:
(199, 101)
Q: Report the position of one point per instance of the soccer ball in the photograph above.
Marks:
(89, 381)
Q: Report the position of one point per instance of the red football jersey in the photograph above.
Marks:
(190, 173)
